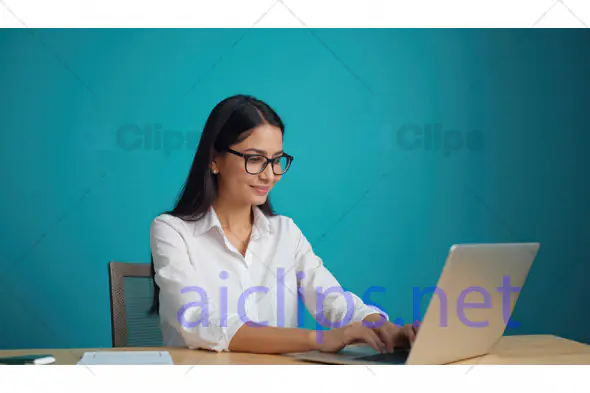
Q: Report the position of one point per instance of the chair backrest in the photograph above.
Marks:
(132, 290)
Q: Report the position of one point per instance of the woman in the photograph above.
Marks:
(228, 270)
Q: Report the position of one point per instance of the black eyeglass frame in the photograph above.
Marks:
(268, 161)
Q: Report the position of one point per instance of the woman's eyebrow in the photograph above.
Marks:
(260, 151)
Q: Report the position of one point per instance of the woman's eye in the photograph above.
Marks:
(256, 159)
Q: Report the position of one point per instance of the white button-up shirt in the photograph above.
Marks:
(208, 290)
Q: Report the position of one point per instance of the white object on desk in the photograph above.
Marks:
(125, 357)
(45, 360)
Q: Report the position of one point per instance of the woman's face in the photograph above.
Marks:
(235, 183)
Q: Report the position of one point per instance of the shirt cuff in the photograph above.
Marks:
(215, 336)
(367, 310)
(234, 324)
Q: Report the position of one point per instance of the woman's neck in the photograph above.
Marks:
(233, 216)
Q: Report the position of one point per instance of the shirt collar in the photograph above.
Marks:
(261, 226)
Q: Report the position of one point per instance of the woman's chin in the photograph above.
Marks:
(258, 199)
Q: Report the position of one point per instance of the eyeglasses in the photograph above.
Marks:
(257, 163)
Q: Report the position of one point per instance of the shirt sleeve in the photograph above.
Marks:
(323, 296)
(185, 303)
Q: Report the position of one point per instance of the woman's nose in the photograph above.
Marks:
(267, 173)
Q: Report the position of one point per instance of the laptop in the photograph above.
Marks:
(467, 313)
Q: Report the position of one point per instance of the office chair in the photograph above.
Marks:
(132, 290)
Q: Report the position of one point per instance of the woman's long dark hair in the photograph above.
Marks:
(227, 125)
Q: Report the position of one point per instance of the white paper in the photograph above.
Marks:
(45, 360)
(125, 357)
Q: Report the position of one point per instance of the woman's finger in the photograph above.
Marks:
(381, 345)
(361, 336)
(411, 334)
(386, 337)
(370, 338)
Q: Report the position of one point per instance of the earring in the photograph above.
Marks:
(215, 171)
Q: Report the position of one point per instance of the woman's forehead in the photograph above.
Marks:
(265, 137)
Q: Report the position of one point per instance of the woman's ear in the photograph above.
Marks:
(214, 168)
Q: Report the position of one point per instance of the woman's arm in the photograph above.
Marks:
(272, 340)
(186, 303)
(323, 296)
(275, 340)
(343, 312)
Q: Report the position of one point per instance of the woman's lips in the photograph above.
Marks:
(261, 190)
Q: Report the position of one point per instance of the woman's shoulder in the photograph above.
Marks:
(168, 221)
(283, 223)
(279, 218)
(166, 218)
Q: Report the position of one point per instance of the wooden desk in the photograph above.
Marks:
(534, 349)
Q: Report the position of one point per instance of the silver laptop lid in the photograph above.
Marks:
(473, 300)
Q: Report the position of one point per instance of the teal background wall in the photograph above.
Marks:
(379, 211)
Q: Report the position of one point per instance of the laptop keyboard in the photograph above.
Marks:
(397, 357)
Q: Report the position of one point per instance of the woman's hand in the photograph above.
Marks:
(378, 333)
(390, 334)
(335, 339)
